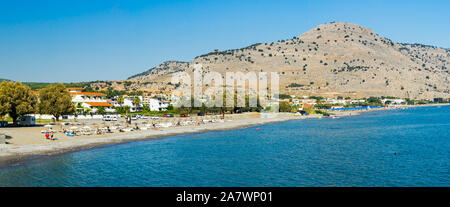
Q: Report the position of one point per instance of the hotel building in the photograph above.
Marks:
(90, 100)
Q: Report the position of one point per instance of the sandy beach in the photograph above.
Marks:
(23, 142)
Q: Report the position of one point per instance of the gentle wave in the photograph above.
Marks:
(408, 147)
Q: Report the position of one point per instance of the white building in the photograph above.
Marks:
(336, 101)
(128, 101)
(90, 100)
(393, 101)
(164, 105)
(357, 101)
(155, 104)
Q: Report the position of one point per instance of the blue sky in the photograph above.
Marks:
(71, 41)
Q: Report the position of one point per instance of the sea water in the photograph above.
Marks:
(405, 147)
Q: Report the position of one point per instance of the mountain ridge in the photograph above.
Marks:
(330, 59)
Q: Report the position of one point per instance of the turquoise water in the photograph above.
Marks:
(409, 147)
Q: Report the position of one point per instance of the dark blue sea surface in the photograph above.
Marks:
(409, 147)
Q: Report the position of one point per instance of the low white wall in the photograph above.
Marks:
(43, 116)
(85, 117)
(70, 117)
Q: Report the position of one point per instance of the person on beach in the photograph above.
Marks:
(51, 135)
(47, 135)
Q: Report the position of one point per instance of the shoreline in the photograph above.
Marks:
(13, 154)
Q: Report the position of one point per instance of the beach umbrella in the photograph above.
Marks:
(74, 127)
(48, 125)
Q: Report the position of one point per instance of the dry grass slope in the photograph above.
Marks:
(329, 60)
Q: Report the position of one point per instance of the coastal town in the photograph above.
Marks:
(77, 118)
(98, 105)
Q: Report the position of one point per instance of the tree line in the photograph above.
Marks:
(17, 99)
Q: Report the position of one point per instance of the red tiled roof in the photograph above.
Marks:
(99, 103)
(80, 93)
(87, 93)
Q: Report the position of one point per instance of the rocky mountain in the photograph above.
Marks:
(335, 59)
